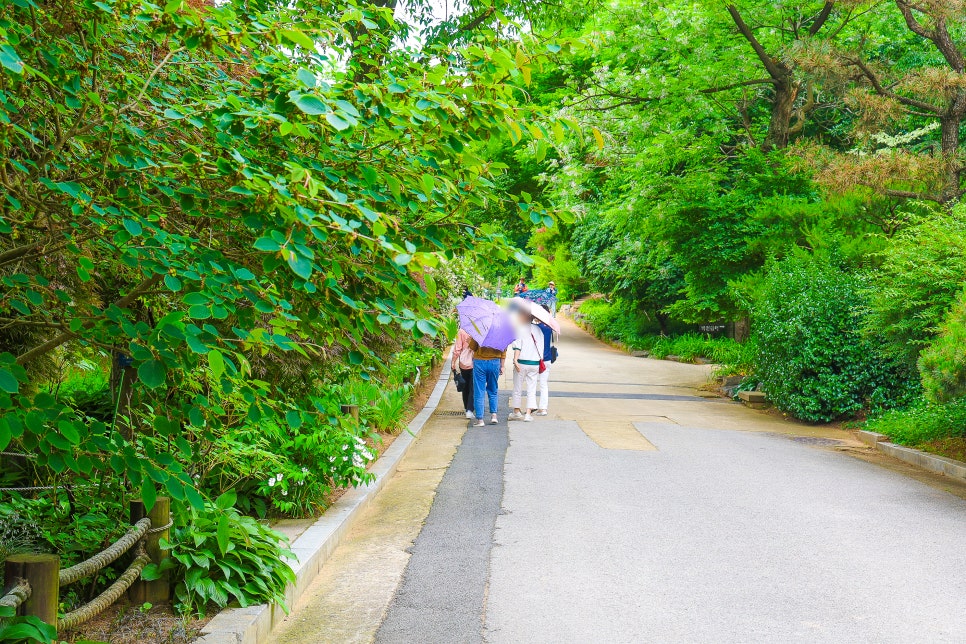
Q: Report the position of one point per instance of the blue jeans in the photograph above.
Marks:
(486, 378)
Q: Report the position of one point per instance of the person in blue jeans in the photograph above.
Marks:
(487, 369)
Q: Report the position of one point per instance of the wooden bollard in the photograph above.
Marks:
(158, 590)
(42, 572)
(351, 410)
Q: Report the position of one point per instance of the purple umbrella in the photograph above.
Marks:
(486, 323)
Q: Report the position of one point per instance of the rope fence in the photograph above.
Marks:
(16, 595)
(100, 603)
(107, 556)
(39, 577)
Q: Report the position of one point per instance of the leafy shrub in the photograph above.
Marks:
(813, 358)
(943, 364)
(921, 276)
(24, 630)
(221, 556)
(921, 422)
(390, 408)
(692, 346)
(737, 359)
(616, 322)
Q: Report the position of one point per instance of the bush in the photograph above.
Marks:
(943, 364)
(221, 556)
(922, 422)
(813, 358)
(921, 276)
(617, 322)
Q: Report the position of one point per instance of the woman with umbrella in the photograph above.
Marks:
(490, 334)
(529, 353)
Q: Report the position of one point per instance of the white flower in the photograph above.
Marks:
(305, 470)
(284, 492)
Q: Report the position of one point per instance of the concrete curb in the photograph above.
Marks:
(925, 460)
(254, 624)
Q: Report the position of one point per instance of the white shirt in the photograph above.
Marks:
(529, 343)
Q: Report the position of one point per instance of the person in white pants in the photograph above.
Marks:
(527, 354)
(544, 390)
(545, 376)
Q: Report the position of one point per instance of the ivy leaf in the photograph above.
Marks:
(10, 59)
(216, 362)
(267, 244)
(152, 373)
(149, 494)
(299, 38)
(311, 104)
(337, 121)
(172, 282)
(133, 227)
(301, 266)
(8, 383)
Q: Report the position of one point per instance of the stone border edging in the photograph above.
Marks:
(939, 464)
(254, 624)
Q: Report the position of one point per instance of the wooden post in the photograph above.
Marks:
(158, 590)
(352, 410)
(42, 572)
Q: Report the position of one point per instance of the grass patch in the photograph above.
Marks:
(923, 424)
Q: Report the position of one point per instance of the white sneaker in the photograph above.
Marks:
(515, 415)
(479, 423)
(470, 414)
(493, 420)
(528, 418)
(541, 412)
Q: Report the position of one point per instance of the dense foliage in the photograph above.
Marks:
(221, 220)
(943, 363)
(721, 139)
(813, 359)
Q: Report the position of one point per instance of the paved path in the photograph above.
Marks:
(645, 510)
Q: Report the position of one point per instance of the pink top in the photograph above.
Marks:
(462, 352)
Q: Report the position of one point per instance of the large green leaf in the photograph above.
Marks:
(152, 373)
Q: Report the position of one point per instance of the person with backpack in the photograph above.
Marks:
(463, 370)
(527, 361)
(549, 357)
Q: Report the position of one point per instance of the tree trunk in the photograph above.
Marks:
(123, 376)
(782, 109)
(359, 34)
(951, 124)
(742, 329)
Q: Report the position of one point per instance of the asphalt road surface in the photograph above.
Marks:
(645, 510)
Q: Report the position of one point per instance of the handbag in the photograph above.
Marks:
(543, 365)
(459, 380)
(554, 354)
